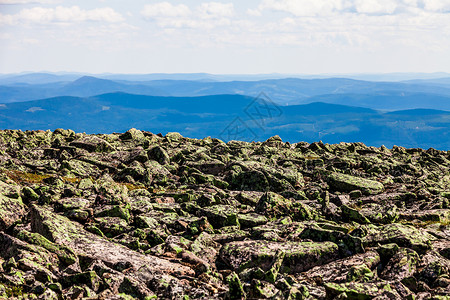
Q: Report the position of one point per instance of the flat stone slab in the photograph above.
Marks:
(403, 235)
(348, 183)
(62, 231)
(337, 271)
(298, 256)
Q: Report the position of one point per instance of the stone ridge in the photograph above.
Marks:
(144, 216)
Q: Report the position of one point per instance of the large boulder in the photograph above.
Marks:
(62, 231)
(347, 183)
(298, 256)
(11, 205)
(341, 271)
(92, 143)
(403, 235)
(401, 265)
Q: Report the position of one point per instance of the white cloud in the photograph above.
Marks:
(29, 1)
(376, 7)
(368, 7)
(165, 9)
(254, 12)
(437, 5)
(207, 15)
(62, 14)
(305, 7)
(216, 10)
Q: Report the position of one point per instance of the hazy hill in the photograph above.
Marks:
(232, 117)
(290, 91)
(388, 100)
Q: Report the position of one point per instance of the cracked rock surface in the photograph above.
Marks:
(144, 216)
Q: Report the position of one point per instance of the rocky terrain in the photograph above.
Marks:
(139, 215)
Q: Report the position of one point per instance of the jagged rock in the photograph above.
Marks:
(64, 253)
(236, 291)
(352, 214)
(133, 134)
(432, 265)
(159, 154)
(138, 215)
(380, 214)
(401, 265)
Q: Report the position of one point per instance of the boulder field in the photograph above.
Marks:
(144, 216)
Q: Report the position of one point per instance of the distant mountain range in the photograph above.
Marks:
(429, 94)
(236, 117)
(51, 77)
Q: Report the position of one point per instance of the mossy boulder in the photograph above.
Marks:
(379, 214)
(274, 205)
(92, 143)
(158, 154)
(250, 180)
(402, 235)
(89, 278)
(62, 231)
(251, 220)
(11, 206)
(235, 290)
(352, 214)
(120, 211)
(133, 135)
(356, 290)
(65, 254)
(359, 267)
(221, 215)
(401, 265)
(347, 183)
(298, 257)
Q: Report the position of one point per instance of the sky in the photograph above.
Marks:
(225, 37)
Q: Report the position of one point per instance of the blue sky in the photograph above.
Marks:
(228, 37)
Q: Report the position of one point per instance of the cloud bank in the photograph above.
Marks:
(74, 14)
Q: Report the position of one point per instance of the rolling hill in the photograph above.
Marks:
(288, 91)
(231, 117)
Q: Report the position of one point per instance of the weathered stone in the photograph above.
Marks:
(11, 205)
(220, 215)
(64, 253)
(299, 256)
(342, 270)
(357, 291)
(133, 134)
(432, 265)
(93, 144)
(235, 291)
(401, 265)
(159, 154)
(348, 183)
(353, 214)
(380, 214)
(256, 220)
(403, 235)
(251, 220)
(64, 232)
